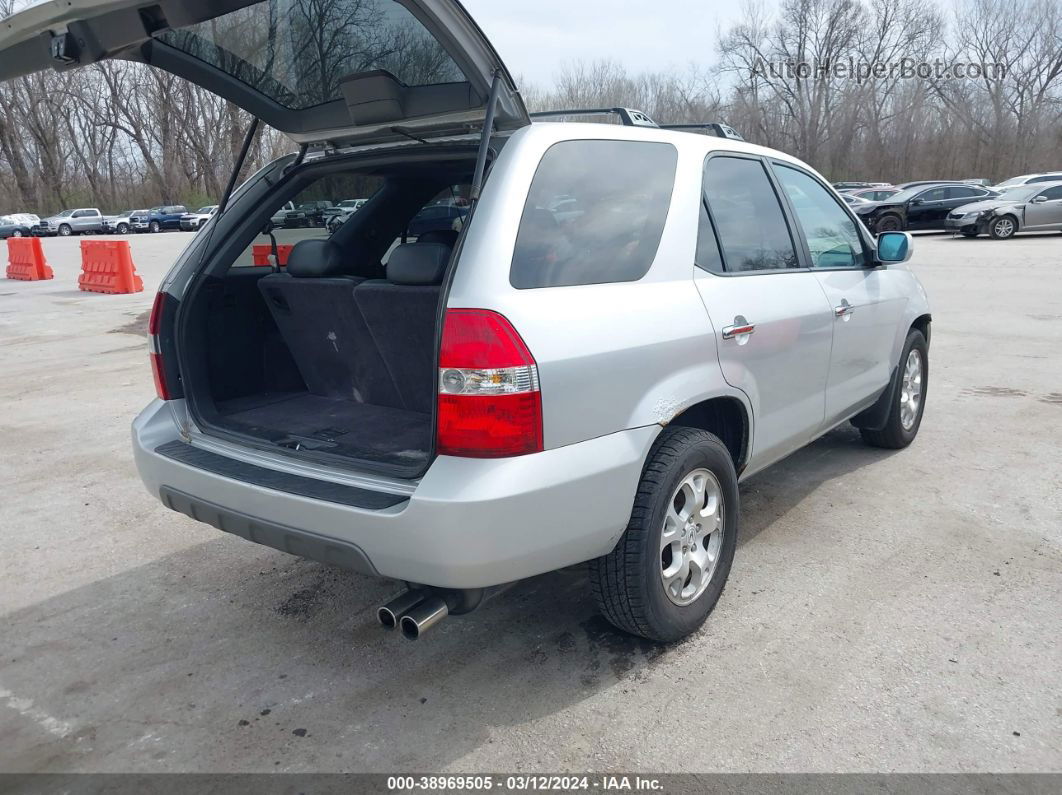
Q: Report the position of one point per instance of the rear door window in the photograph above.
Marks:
(595, 213)
(748, 216)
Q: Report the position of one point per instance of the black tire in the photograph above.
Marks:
(123, 229)
(889, 223)
(894, 436)
(154, 227)
(1004, 227)
(627, 583)
(65, 230)
(17, 233)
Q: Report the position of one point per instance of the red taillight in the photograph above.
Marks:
(158, 371)
(158, 367)
(490, 405)
(155, 319)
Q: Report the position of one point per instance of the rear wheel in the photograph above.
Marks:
(905, 414)
(668, 570)
(17, 233)
(1003, 227)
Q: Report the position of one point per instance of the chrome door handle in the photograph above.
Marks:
(844, 310)
(742, 330)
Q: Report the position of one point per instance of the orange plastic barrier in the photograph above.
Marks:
(25, 260)
(260, 254)
(107, 267)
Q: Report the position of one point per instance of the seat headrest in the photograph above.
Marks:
(317, 259)
(418, 263)
(448, 237)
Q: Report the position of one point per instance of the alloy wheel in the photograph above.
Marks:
(692, 537)
(911, 390)
(1004, 227)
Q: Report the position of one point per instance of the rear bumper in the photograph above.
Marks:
(469, 523)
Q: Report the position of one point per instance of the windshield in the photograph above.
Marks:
(1014, 181)
(207, 210)
(298, 52)
(1020, 192)
(64, 214)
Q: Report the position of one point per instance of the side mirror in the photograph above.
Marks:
(895, 247)
(1039, 200)
(915, 202)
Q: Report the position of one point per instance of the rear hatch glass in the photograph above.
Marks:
(298, 53)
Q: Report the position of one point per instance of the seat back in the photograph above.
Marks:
(401, 312)
(313, 306)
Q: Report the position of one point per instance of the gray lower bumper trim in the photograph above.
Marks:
(287, 539)
(279, 481)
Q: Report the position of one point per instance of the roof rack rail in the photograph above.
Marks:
(628, 116)
(715, 128)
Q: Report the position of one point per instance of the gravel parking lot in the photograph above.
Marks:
(886, 612)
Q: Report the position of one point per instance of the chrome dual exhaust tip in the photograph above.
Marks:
(423, 617)
(391, 613)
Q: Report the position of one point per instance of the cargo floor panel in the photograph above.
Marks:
(303, 421)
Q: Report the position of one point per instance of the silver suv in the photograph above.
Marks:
(534, 390)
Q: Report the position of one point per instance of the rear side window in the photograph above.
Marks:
(748, 216)
(595, 213)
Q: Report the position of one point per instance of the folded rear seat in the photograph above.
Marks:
(401, 312)
(313, 306)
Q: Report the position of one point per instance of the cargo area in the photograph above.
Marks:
(332, 355)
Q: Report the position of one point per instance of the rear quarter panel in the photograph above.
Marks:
(610, 356)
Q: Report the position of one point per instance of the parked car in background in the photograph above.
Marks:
(874, 194)
(923, 207)
(336, 216)
(1033, 207)
(1026, 179)
(190, 222)
(436, 218)
(120, 224)
(159, 219)
(277, 219)
(984, 183)
(848, 187)
(70, 222)
(17, 225)
(850, 199)
(921, 182)
(307, 214)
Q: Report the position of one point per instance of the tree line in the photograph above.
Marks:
(119, 135)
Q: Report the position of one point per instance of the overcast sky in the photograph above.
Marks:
(535, 38)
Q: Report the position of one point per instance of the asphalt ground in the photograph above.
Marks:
(886, 611)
